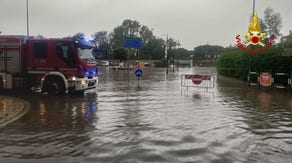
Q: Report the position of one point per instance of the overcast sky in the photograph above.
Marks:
(192, 22)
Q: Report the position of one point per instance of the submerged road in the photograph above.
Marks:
(157, 121)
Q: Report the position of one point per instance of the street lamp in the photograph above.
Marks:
(166, 51)
(27, 20)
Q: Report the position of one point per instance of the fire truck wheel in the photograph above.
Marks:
(56, 86)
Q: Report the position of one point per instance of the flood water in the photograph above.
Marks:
(157, 121)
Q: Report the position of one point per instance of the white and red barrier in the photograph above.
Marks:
(198, 80)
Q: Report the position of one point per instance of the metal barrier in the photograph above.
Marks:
(264, 79)
(281, 80)
(253, 78)
(198, 80)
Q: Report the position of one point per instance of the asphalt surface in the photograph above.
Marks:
(11, 109)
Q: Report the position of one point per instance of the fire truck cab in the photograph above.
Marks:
(55, 66)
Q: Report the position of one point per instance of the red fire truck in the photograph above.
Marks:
(55, 66)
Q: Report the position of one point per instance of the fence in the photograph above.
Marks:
(276, 80)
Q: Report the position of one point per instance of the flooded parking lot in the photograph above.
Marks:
(157, 121)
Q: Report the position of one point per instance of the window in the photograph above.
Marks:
(40, 50)
(62, 51)
(66, 53)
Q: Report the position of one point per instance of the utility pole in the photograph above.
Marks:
(177, 55)
(166, 51)
(27, 20)
(253, 8)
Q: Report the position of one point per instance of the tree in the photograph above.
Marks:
(153, 49)
(120, 53)
(117, 37)
(263, 25)
(183, 53)
(100, 37)
(273, 22)
(78, 35)
(171, 45)
(130, 28)
(103, 42)
(146, 34)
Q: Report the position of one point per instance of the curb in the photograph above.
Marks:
(15, 110)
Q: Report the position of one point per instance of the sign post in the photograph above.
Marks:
(136, 43)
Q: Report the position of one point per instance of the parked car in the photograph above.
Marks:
(104, 63)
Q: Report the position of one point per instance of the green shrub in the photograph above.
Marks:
(238, 63)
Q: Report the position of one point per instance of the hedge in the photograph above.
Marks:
(238, 63)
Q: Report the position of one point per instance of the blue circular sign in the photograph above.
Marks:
(138, 73)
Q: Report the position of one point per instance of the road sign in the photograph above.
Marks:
(265, 79)
(139, 73)
(133, 43)
(197, 79)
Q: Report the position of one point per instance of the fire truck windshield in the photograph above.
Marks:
(86, 54)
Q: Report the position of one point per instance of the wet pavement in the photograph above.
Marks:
(157, 121)
(11, 109)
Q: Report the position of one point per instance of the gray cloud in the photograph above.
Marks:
(192, 22)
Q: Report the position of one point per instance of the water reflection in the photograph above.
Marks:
(265, 115)
(55, 126)
(63, 113)
(43, 113)
(197, 96)
(265, 100)
(4, 107)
